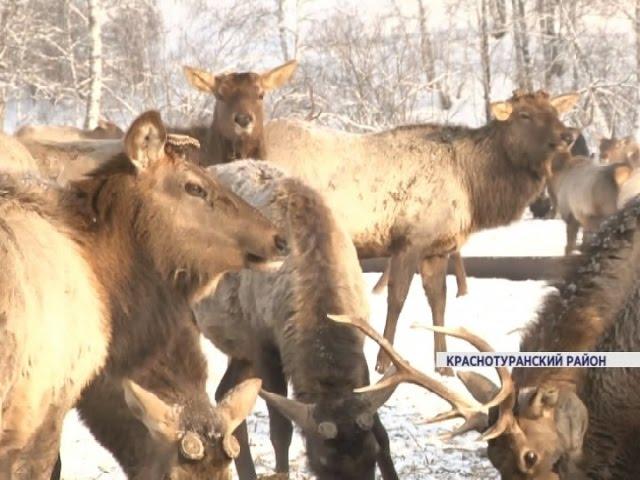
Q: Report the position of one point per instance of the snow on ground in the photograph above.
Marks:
(494, 308)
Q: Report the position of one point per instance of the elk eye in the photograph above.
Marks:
(525, 115)
(261, 95)
(195, 190)
(530, 458)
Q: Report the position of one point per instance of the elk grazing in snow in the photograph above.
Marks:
(275, 326)
(97, 277)
(561, 423)
(238, 116)
(416, 193)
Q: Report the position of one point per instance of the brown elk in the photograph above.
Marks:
(99, 275)
(238, 116)
(562, 423)
(619, 150)
(164, 426)
(276, 326)
(415, 194)
(105, 130)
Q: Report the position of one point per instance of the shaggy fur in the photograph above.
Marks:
(283, 317)
(14, 157)
(53, 133)
(596, 309)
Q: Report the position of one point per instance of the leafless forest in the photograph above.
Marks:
(363, 65)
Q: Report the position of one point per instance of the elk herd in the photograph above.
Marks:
(118, 249)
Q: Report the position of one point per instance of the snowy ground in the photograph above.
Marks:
(494, 308)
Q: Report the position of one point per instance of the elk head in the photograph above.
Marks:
(620, 150)
(191, 226)
(338, 432)
(193, 441)
(533, 434)
(532, 132)
(238, 116)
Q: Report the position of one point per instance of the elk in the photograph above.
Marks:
(275, 326)
(168, 428)
(620, 150)
(14, 157)
(586, 193)
(238, 117)
(105, 130)
(416, 193)
(561, 423)
(546, 204)
(96, 278)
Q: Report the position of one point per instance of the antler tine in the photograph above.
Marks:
(507, 387)
(461, 407)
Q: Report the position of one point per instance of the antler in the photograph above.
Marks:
(474, 413)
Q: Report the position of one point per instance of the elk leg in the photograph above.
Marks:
(434, 281)
(384, 460)
(572, 234)
(461, 274)
(57, 469)
(237, 371)
(280, 427)
(401, 268)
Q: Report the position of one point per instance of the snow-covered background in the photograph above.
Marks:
(494, 308)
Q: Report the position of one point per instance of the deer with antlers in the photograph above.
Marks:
(558, 423)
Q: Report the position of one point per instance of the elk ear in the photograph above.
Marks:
(572, 420)
(621, 173)
(235, 407)
(161, 419)
(145, 139)
(480, 387)
(200, 79)
(278, 76)
(299, 413)
(501, 110)
(565, 103)
(543, 401)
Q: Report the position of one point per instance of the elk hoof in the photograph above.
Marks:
(383, 362)
(462, 291)
(445, 371)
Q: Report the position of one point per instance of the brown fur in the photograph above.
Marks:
(416, 193)
(238, 116)
(14, 157)
(618, 150)
(109, 276)
(287, 334)
(594, 309)
(105, 130)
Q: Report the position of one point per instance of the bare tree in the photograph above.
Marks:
(521, 44)
(485, 58)
(96, 19)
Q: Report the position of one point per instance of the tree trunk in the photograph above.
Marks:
(485, 58)
(282, 30)
(428, 61)
(550, 41)
(637, 33)
(96, 19)
(498, 9)
(521, 43)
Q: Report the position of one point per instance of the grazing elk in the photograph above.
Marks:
(415, 194)
(275, 325)
(164, 426)
(105, 130)
(238, 117)
(565, 423)
(97, 277)
(586, 193)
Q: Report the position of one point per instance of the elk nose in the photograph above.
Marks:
(243, 119)
(281, 244)
(568, 137)
(530, 458)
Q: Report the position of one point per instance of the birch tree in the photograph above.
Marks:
(96, 20)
